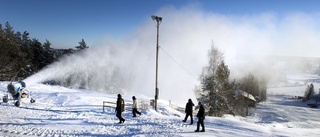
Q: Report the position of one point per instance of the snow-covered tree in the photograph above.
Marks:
(215, 91)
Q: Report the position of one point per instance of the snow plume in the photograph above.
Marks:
(186, 34)
(113, 67)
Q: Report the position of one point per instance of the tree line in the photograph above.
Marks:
(22, 56)
(220, 95)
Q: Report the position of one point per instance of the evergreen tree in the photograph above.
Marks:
(226, 88)
(38, 54)
(82, 45)
(27, 53)
(47, 45)
(215, 91)
(10, 55)
(2, 51)
(20, 56)
(11, 47)
(48, 54)
(2, 42)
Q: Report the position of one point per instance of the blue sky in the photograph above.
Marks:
(65, 22)
(121, 34)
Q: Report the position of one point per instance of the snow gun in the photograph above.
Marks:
(17, 92)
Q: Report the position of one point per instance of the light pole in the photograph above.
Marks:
(158, 20)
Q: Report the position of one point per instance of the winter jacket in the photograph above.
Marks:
(120, 105)
(200, 114)
(134, 104)
(189, 107)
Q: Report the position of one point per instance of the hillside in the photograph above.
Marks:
(60, 111)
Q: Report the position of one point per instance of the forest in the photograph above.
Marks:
(22, 56)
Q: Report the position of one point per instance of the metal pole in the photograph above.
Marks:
(156, 91)
(158, 19)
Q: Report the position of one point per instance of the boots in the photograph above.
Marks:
(199, 131)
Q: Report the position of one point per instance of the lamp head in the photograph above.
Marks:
(153, 17)
(157, 18)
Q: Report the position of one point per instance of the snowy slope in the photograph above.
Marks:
(60, 111)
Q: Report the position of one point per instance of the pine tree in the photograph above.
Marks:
(82, 45)
(38, 54)
(215, 91)
(10, 55)
(20, 56)
(48, 54)
(10, 44)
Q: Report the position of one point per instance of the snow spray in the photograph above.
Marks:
(128, 65)
(117, 68)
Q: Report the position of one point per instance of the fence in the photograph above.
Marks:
(141, 104)
(182, 109)
(128, 105)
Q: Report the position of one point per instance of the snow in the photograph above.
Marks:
(60, 111)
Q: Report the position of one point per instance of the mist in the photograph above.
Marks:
(128, 65)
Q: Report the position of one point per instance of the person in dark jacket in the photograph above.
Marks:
(188, 111)
(120, 109)
(201, 117)
(135, 107)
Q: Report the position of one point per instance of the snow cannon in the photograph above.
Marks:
(18, 92)
(11, 89)
(15, 89)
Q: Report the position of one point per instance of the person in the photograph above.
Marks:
(120, 109)
(188, 110)
(201, 117)
(135, 107)
(311, 89)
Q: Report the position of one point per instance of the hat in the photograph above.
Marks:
(119, 96)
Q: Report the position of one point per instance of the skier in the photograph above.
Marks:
(201, 117)
(120, 109)
(188, 111)
(135, 107)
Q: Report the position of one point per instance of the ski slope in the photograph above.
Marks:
(60, 111)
